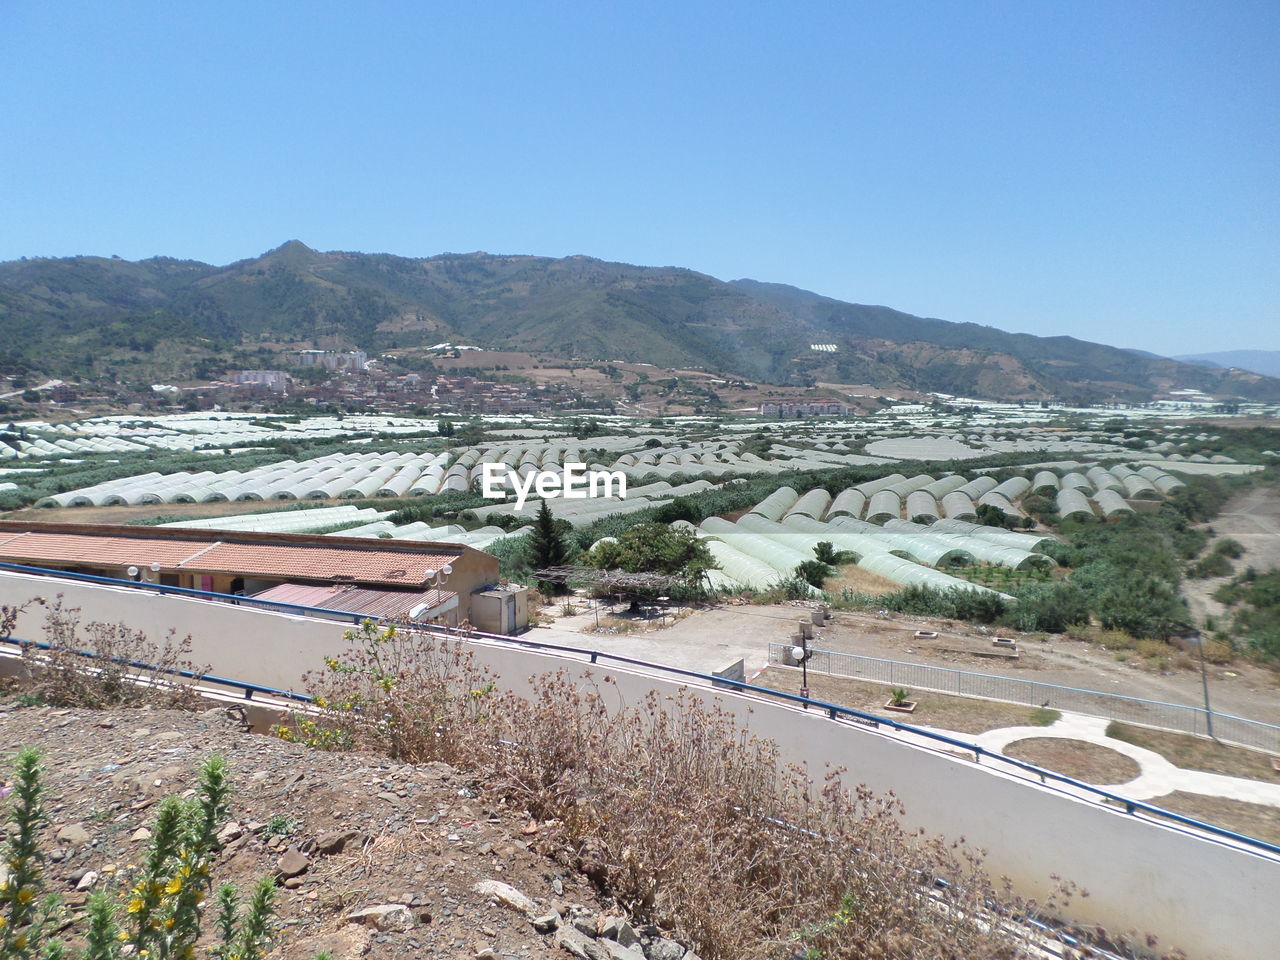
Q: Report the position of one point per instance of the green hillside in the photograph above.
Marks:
(83, 316)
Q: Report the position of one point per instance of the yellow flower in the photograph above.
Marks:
(26, 895)
(135, 905)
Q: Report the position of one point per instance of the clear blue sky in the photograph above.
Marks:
(1106, 170)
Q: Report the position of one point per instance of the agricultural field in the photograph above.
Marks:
(999, 513)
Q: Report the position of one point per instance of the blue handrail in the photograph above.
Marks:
(185, 591)
(247, 686)
(833, 711)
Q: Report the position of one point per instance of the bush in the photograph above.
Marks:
(674, 810)
(982, 606)
(1143, 607)
(1048, 608)
(825, 552)
(787, 588)
(102, 665)
(1214, 565)
(813, 572)
(1229, 548)
(161, 897)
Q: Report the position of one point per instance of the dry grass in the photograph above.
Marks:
(1198, 753)
(961, 714)
(857, 580)
(1252, 819)
(676, 811)
(102, 665)
(1075, 758)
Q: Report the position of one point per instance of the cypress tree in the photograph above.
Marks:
(547, 547)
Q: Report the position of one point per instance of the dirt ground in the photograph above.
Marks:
(1076, 758)
(713, 637)
(1242, 689)
(1253, 519)
(362, 831)
(959, 714)
(1252, 819)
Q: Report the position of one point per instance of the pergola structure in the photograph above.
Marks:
(619, 583)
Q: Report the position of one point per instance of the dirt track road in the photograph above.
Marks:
(1253, 519)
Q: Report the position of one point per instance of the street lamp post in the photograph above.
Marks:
(801, 653)
(1204, 682)
(804, 668)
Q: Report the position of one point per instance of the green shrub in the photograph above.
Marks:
(959, 604)
(814, 572)
(159, 913)
(1048, 607)
(1229, 548)
(1213, 565)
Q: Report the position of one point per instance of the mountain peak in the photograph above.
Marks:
(292, 246)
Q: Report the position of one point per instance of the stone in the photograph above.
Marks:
(335, 841)
(292, 863)
(139, 835)
(88, 880)
(229, 833)
(505, 894)
(616, 951)
(486, 954)
(579, 944)
(74, 834)
(547, 923)
(346, 943)
(386, 916)
(616, 928)
(662, 949)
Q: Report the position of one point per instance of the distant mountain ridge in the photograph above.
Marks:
(1265, 362)
(165, 315)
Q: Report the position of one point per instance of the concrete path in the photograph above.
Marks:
(1158, 777)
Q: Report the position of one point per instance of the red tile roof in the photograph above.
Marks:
(399, 567)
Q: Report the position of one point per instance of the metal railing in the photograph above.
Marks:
(848, 718)
(326, 613)
(1034, 693)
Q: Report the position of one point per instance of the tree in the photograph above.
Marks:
(813, 572)
(654, 548)
(547, 544)
(825, 553)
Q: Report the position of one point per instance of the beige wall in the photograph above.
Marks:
(1212, 900)
(271, 649)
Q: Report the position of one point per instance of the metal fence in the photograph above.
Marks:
(1095, 703)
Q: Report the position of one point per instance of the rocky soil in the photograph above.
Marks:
(372, 858)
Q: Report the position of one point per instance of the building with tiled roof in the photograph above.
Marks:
(233, 562)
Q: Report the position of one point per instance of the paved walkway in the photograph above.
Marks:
(1158, 777)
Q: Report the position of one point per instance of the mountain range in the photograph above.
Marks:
(88, 316)
(1265, 362)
